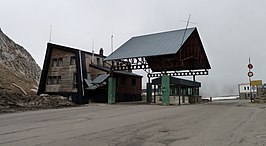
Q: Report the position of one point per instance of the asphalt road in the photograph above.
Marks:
(227, 123)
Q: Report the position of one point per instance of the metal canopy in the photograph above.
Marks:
(96, 83)
(100, 79)
(165, 53)
(152, 45)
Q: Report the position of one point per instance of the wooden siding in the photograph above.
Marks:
(58, 76)
(66, 71)
(126, 87)
(191, 56)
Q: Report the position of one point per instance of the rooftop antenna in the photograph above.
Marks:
(92, 50)
(112, 42)
(188, 21)
(50, 37)
(185, 30)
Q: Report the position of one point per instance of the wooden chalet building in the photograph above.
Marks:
(82, 76)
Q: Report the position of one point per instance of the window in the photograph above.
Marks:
(57, 62)
(49, 80)
(72, 60)
(58, 81)
(189, 90)
(54, 62)
(53, 80)
(75, 85)
(245, 88)
(133, 82)
(60, 62)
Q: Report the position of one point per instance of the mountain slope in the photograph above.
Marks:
(18, 70)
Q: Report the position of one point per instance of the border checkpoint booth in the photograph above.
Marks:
(182, 91)
(164, 55)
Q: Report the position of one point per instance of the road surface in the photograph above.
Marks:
(224, 123)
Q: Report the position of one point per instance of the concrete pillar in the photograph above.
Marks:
(166, 89)
(111, 90)
(149, 93)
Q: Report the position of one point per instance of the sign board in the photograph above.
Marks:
(250, 66)
(256, 83)
(250, 74)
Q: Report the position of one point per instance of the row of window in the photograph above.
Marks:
(246, 88)
(59, 61)
(75, 84)
(53, 80)
(175, 90)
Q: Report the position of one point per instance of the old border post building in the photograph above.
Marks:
(165, 54)
(82, 76)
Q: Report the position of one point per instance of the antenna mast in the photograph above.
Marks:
(50, 37)
(92, 50)
(185, 30)
(112, 42)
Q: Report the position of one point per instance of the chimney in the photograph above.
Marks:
(101, 52)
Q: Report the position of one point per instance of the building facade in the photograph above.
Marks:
(82, 76)
(181, 91)
(245, 91)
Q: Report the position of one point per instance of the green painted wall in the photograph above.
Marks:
(111, 90)
(166, 90)
(149, 92)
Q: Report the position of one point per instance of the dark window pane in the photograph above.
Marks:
(54, 62)
(58, 79)
(60, 62)
(73, 60)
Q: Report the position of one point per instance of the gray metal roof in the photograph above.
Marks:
(96, 83)
(100, 79)
(93, 87)
(152, 45)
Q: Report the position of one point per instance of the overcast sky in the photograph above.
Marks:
(231, 30)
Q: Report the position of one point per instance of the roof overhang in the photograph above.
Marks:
(167, 51)
(164, 43)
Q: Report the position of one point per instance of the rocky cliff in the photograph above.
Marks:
(18, 70)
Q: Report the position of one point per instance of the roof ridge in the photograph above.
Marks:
(157, 33)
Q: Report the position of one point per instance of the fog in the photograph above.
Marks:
(231, 31)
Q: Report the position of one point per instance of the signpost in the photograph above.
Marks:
(256, 83)
(250, 74)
